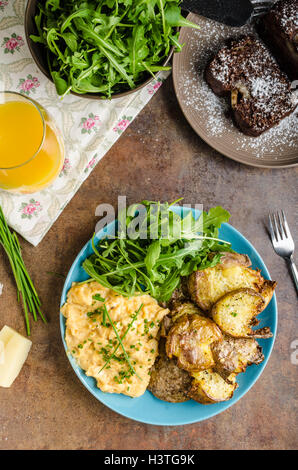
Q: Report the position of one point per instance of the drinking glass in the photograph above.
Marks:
(31, 145)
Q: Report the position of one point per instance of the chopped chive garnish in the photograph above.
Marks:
(121, 339)
(98, 297)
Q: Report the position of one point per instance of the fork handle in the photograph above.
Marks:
(294, 272)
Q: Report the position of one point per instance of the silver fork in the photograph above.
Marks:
(282, 241)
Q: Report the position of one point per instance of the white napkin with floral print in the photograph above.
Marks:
(89, 127)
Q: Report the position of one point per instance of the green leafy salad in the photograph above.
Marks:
(153, 254)
(107, 46)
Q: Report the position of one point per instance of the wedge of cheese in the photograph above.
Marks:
(14, 349)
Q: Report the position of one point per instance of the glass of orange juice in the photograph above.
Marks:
(31, 145)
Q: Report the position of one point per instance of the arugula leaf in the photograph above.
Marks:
(71, 41)
(174, 18)
(152, 255)
(60, 83)
(216, 216)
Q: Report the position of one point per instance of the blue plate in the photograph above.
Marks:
(147, 408)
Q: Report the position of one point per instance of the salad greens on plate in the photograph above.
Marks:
(163, 248)
(107, 46)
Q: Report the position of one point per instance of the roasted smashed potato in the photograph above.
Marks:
(189, 340)
(209, 333)
(184, 308)
(207, 286)
(209, 387)
(178, 309)
(236, 312)
(233, 355)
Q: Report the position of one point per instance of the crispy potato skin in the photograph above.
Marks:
(267, 291)
(262, 333)
(189, 340)
(236, 311)
(233, 355)
(209, 387)
(230, 259)
(207, 286)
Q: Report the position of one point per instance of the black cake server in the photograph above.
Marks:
(229, 12)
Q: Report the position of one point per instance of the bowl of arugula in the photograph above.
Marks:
(103, 49)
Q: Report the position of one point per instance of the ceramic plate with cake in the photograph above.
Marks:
(236, 86)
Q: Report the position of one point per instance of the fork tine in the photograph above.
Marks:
(260, 12)
(261, 8)
(277, 233)
(286, 227)
(281, 226)
(264, 2)
(273, 237)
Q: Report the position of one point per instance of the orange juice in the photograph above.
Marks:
(31, 148)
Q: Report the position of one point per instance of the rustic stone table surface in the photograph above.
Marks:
(159, 157)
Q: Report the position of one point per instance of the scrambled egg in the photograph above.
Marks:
(91, 339)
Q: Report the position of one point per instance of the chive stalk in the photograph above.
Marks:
(25, 288)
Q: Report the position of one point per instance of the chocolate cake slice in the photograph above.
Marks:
(279, 29)
(260, 93)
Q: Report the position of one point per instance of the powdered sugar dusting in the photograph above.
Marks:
(211, 111)
(286, 15)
